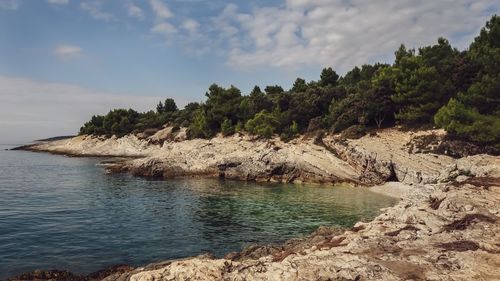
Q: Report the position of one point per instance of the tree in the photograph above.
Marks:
(459, 91)
(484, 95)
(467, 123)
(221, 104)
(474, 114)
(239, 127)
(328, 77)
(263, 124)
(423, 82)
(160, 108)
(199, 128)
(290, 132)
(485, 50)
(169, 106)
(273, 90)
(227, 128)
(299, 85)
(254, 103)
(256, 91)
(352, 77)
(401, 53)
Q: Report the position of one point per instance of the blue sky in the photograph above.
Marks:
(119, 52)
(131, 53)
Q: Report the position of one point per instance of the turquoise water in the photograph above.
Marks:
(65, 213)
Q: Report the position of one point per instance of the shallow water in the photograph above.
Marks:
(65, 213)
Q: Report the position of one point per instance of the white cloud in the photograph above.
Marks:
(9, 4)
(190, 26)
(160, 9)
(164, 28)
(32, 110)
(94, 8)
(343, 33)
(134, 11)
(58, 2)
(68, 51)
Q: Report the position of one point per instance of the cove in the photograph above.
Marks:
(65, 213)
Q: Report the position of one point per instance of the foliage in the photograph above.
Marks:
(458, 91)
(299, 85)
(199, 127)
(467, 123)
(422, 82)
(328, 77)
(263, 124)
(166, 107)
(474, 114)
(227, 128)
(290, 132)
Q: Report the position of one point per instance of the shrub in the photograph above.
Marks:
(467, 123)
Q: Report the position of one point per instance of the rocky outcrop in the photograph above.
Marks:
(372, 159)
(446, 226)
(244, 159)
(387, 156)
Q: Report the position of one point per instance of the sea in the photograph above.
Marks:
(66, 213)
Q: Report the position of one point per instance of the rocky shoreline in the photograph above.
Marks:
(446, 226)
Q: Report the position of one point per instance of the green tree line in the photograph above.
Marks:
(434, 85)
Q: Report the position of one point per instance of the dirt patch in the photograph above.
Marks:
(466, 221)
(459, 246)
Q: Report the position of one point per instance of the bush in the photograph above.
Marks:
(199, 128)
(263, 124)
(468, 124)
(290, 132)
(226, 128)
(239, 127)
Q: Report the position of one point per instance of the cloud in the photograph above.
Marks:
(164, 28)
(9, 4)
(68, 51)
(134, 11)
(32, 110)
(94, 8)
(343, 33)
(190, 25)
(58, 2)
(160, 9)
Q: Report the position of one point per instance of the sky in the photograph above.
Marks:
(61, 61)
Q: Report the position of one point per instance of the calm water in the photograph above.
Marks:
(65, 213)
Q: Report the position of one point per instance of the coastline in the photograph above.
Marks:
(446, 223)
